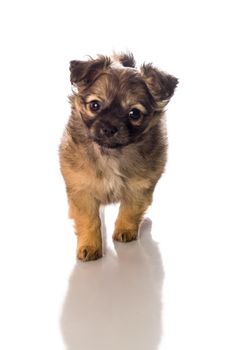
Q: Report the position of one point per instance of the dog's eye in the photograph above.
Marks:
(135, 114)
(94, 106)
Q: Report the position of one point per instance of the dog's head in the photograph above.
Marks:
(117, 102)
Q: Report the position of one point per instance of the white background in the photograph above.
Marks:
(173, 288)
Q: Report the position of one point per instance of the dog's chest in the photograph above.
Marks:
(111, 180)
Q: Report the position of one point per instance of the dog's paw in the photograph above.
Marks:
(88, 253)
(125, 235)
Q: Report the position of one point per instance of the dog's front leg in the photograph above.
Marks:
(129, 217)
(84, 209)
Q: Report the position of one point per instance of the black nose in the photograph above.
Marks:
(108, 130)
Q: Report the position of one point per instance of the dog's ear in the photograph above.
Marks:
(127, 59)
(160, 84)
(78, 71)
(86, 71)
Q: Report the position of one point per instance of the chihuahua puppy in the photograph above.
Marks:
(114, 146)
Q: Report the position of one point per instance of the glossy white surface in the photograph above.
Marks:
(173, 288)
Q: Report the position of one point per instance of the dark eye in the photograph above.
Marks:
(135, 114)
(95, 106)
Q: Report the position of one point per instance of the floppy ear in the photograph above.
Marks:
(78, 71)
(86, 71)
(160, 84)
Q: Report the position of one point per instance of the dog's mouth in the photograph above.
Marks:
(110, 143)
(106, 144)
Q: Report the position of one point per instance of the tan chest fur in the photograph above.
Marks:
(99, 174)
(109, 182)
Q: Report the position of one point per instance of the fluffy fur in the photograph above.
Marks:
(114, 146)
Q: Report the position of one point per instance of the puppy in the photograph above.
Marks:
(114, 146)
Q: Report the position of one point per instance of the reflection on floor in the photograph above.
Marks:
(115, 303)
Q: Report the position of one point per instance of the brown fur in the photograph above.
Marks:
(108, 157)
